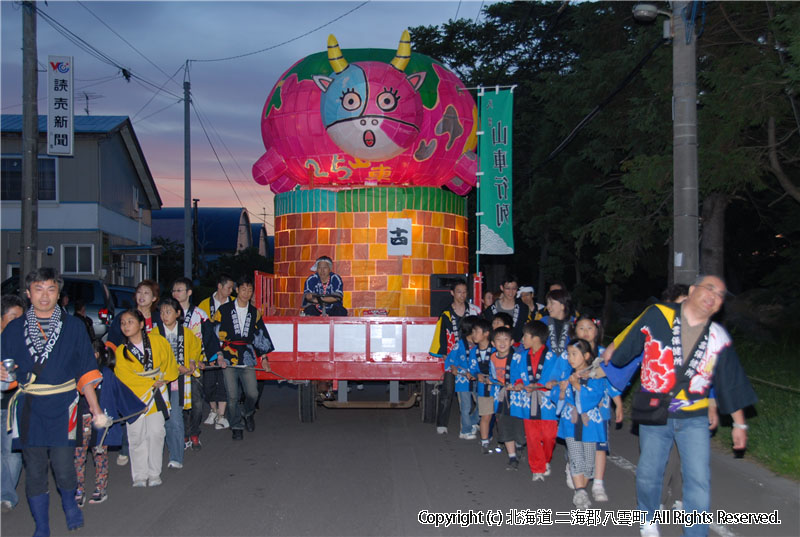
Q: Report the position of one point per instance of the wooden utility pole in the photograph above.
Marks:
(187, 181)
(30, 143)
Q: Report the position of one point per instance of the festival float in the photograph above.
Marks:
(369, 153)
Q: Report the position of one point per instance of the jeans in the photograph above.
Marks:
(61, 458)
(446, 399)
(466, 400)
(240, 380)
(12, 466)
(174, 428)
(655, 441)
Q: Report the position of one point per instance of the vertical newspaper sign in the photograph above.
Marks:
(60, 100)
(495, 223)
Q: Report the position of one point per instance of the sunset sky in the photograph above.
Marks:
(153, 40)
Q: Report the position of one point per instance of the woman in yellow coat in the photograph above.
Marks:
(146, 364)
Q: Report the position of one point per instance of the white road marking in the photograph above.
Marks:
(625, 464)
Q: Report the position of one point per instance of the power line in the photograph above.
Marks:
(582, 123)
(214, 150)
(115, 77)
(154, 93)
(126, 41)
(248, 180)
(93, 51)
(287, 41)
(170, 105)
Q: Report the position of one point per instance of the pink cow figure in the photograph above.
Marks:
(330, 123)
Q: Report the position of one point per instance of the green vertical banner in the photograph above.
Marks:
(496, 229)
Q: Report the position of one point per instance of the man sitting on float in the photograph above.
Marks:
(323, 291)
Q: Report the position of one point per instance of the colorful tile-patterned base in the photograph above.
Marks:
(350, 227)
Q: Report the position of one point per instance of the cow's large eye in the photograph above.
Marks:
(387, 101)
(351, 100)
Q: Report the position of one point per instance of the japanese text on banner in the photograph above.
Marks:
(496, 226)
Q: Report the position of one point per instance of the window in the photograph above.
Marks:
(77, 259)
(11, 179)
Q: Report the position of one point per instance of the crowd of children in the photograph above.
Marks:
(527, 393)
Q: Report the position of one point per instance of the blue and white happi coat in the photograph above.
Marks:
(580, 417)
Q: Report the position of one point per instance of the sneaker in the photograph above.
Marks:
(98, 497)
(537, 477)
(649, 529)
(599, 493)
(6, 506)
(513, 463)
(186, 444)
(570, 484)
(154, 482)
(175, 464)
(547, 470)
(581, 499)
(222, 423)
(476, 428)
(139, 484)
(122, 460)
(485, 449)
(80, 499)
(211, 419)
(196, 445)
(441, 430)
(467, 436)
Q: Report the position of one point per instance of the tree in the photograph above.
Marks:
(599, 214)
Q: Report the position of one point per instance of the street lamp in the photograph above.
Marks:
(685, 249)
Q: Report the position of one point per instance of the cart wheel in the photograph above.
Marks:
(428, 402)
(307, 401)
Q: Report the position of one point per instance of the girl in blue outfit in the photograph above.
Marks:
(591, 330)
(580, 420)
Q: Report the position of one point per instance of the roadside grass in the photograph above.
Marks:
(774, 435)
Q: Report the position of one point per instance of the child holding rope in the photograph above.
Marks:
(146, 364)
(118, 402)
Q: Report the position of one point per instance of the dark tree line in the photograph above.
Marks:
(599, 214)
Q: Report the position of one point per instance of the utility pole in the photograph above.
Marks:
(195, 248)
(187, 181)
(30, 143)
(686, 255)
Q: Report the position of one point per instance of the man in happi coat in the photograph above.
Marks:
(55, 361)
(243, 339)
(685, 353)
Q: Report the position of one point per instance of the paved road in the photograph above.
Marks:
(370, 472)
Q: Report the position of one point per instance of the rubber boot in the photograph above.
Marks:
(40, 509)
(71, 510)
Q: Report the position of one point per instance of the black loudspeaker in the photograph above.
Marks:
(440, 291)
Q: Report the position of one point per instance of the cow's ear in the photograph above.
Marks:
(323, 82)
(416, 80)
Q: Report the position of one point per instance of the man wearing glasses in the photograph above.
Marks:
(685, 353)
(510, 304)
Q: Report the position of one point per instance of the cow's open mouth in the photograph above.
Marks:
(369, 138)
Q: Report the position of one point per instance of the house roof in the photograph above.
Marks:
(12, 123)
(83, 124)
(217, 227)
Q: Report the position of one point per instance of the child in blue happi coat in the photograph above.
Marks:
(580, 423)
(457, 362)
(480, 363)
(591, 330)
